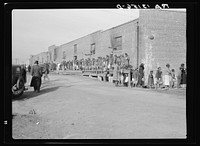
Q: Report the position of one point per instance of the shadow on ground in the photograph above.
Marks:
(31, 94)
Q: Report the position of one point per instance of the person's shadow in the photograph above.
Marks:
(31, 94)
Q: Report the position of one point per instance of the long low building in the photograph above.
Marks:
(156, 38)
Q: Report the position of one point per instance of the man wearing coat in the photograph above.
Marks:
(36, 73)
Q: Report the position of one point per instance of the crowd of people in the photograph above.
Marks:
(114, 67)
(166, 78)
(169, 79)
(100, 63)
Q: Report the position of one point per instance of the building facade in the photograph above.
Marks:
(156, 38)
(162, 39)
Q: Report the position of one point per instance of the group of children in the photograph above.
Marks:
(162, 79)
(167, 78)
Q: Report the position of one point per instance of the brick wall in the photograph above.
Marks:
(169, 43)
(128, 33)
(41, 58)
(83, 47)
(52, 52)
(103, 42)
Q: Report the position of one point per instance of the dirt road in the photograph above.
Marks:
(70, 107)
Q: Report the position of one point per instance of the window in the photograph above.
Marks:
(75, 49)
(118, 43)
(92, 48)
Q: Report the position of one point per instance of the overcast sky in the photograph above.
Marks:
(33, 31)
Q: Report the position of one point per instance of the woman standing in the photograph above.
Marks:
(167, 76)
(116, 72)
(141, 75)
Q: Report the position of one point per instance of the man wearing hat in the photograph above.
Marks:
(36, 73)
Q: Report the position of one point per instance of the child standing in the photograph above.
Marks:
(158, 77)
(151, 79)
(173, 81)
(121, 76)
(135, 77)
(116, 72)
(126, 80)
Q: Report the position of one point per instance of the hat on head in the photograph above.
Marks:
(36, 62)
(167, 65)
(142, 64)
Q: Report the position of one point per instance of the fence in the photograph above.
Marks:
(102, 74)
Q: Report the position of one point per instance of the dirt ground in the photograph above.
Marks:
(77, 107)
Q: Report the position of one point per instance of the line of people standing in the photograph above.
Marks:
(168, 78)
(163, 79)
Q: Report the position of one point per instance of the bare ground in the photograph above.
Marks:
(76, 107)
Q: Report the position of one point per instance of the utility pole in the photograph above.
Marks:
(137, 32)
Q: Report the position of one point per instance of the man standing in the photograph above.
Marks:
(183, 75)
(36, 73)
